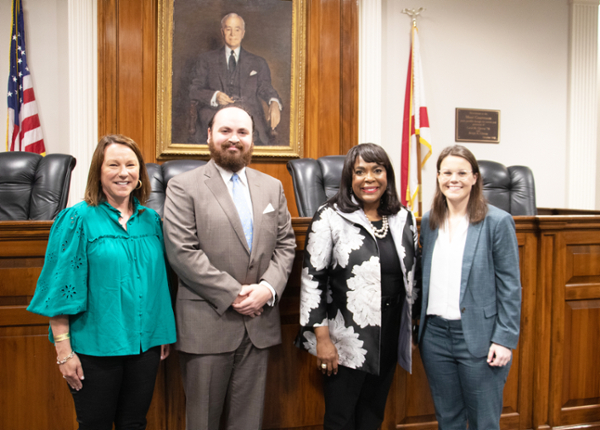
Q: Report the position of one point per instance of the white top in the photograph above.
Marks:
(226, 175)
(446, 269)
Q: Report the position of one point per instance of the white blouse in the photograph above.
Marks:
(446, 269)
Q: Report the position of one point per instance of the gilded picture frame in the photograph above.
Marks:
(275, 30)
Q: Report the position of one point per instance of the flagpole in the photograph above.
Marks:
(413, 15)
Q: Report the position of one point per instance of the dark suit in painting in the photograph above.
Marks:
(251, 84)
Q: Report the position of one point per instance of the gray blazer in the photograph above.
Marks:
(206, 247)
(490, 290)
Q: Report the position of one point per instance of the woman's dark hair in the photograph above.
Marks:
(370, 153)
(477, 206)
(93, 191)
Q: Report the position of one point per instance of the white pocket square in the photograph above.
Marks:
(269, 209)
(253, 72)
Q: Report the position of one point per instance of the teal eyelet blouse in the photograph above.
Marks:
(111, 282)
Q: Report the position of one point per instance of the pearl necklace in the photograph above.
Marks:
(380, 233)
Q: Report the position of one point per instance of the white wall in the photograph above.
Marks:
(509, 55)
(46, 40)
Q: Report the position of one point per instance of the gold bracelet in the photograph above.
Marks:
(67, 358)
(62, 337)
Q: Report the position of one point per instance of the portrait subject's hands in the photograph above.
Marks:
(251, 299)
(498, 356)
(223, 99)
(274, 114)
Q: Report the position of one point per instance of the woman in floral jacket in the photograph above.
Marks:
(358, 288)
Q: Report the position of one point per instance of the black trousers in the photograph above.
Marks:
(116, 390)
(355, 400)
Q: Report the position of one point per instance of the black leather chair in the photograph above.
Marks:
(160, 175)
(33, 187)
(315, 181)
(509, 188)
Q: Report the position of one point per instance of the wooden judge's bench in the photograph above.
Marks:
(554, 380)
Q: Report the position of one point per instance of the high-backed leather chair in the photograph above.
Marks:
(315, 181)
(510, 188)
(33, 187)
(160, 175)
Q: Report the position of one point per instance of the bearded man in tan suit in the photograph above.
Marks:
(229, 238)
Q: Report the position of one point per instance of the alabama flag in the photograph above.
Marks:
(416, 136)
(24, 130)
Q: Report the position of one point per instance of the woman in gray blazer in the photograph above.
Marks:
(471, 302)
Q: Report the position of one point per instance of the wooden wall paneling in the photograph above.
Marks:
(108, 66)
(528, 253)
(580, 286)
(349, 64)
(130, 50)
(311, 94)
(543, 324)
(329, 101)
(28, 375)
(148, 114)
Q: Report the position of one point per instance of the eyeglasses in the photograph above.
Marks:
(447, 174)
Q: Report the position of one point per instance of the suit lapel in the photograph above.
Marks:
(222, 69)
(427, 257)
(244, 67)
(214, 182)
(469, 255)
(259, 203)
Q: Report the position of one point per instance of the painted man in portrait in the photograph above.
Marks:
(232, 75)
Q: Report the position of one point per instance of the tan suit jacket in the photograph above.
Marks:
(206, 247)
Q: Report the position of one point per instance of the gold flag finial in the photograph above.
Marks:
(413, 13)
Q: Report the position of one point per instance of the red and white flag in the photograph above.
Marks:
(415, 130)
(24, 131)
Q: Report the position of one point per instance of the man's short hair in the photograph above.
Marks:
(237, 105)
(230, 15)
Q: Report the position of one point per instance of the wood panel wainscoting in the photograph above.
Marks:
(554, 381)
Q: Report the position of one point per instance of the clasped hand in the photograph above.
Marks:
(251, 299)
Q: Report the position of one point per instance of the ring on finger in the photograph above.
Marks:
(323, 366)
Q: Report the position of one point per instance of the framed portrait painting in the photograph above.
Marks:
(247, 53)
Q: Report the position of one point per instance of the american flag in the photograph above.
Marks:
(24, 130)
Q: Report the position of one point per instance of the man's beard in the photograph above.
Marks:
(227, 160)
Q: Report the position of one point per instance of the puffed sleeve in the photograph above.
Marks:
(315, 279)
(62, 285)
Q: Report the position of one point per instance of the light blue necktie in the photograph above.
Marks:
(242, 207)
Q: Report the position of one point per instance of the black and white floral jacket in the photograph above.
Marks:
(341, 285)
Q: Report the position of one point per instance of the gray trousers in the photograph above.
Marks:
(464, 387)
(231, 384)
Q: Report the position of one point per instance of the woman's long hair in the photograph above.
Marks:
(370, 153)
(477, 206)
(93, 190)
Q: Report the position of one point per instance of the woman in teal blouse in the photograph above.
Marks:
(104, 287)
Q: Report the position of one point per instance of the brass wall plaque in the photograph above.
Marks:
(477, 125)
